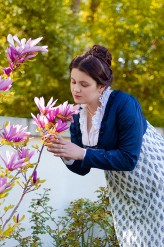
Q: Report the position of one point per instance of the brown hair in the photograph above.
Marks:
(96, 63)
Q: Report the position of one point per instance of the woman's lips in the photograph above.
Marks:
(77, 96)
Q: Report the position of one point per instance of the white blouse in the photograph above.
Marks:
(91, 138)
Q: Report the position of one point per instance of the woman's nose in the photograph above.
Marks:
(76, 88)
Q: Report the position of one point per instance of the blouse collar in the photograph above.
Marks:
(97, 117)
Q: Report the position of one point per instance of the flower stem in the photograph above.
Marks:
(24, 192)
(39, 157)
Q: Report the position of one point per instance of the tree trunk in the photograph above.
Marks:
(75, 5)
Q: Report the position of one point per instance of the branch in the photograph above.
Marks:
(24, 191)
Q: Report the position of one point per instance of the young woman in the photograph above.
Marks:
(111, 133)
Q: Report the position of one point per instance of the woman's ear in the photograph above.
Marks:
(101, 88)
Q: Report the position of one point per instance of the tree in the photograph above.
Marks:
(49, 76)
(132, 30)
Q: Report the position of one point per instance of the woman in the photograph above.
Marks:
(111, 133)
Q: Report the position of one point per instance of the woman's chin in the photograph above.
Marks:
(78, 100)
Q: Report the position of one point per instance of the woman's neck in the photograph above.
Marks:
(91, 113)
(92, 108)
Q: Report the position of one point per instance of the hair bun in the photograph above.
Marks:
(101, 53)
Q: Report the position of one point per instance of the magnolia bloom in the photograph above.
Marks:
(61, 126)
(41, 105)
(25, 153)
(23, 51)
(52, 115)
(67, 110)
(5, 83)
(40, 120)
(3, 184)
(54, 119)
(13, 161)
(14, 133)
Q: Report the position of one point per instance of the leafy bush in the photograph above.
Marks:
(86, 223)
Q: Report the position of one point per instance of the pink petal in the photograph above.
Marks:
(35, 41)
(10, 39)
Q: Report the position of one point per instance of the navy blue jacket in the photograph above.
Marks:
(120, 136)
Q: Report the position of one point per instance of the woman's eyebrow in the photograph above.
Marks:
(83, 81)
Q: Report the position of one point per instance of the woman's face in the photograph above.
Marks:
(84, 88)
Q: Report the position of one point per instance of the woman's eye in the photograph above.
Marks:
(73, 82)
(84, 84)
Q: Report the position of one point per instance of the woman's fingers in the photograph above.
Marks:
(55, 146)
(60, 140)
(63, 148)
(55, 140)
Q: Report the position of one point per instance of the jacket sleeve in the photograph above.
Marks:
(131, 126)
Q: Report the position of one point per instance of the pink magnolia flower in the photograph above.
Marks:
(25, 153)
(61, 126)
(51, 116)
(41, 105)
(14, 133)
(13, 55)
(24, 47)
(3, 184)
(12, 161)
(5, 83)
(22, 51)
(40, 120)
(67, 110)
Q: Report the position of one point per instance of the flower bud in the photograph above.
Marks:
(17, 220)
(35, 177)
(7, 71)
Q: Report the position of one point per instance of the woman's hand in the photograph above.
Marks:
(63, 148)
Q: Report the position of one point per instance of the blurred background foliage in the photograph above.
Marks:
(131, 30)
